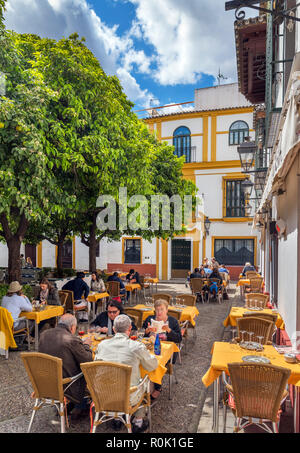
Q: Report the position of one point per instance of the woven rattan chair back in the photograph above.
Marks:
(113, 289)
(174, 313)
(45, 374)
(109, 385)
(63, 298)
(256, 300)
(162, 296)
(267, 316)
(69, 305)
(251, 274)
(260, 327)
(187, 299)
(256, 284)
(197, 284)
(258, 389)
(138, 314)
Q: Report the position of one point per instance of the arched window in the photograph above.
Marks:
(182, 142)
(237, 132)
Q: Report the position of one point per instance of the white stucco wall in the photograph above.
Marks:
(287, 253)
(218, 97)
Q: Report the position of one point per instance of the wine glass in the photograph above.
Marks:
(242, 332)
(260, 341)
(250, 335)
(141, 333)
(233, 333)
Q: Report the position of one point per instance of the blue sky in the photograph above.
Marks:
(161, 50)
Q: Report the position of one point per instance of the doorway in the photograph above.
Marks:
(181, 258)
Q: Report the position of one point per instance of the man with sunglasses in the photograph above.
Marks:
(104, 322)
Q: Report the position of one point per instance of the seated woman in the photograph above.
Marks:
(97, 284)
(104, 322)
(215, 275)
(171, 331)
(47, 293)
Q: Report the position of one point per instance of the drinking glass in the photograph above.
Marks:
(233, 333)
(260, 341)
(242, 332)
(141, 334)
(250, 335)
(261, 304)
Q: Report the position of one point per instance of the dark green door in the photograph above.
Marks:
(181, 258)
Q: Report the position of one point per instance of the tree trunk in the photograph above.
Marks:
(59, 259)
(93, 244)
(14, 263)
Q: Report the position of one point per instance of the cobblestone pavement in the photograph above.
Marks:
(179, 415)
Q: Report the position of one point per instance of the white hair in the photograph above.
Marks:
(68, 320)
(122, 323)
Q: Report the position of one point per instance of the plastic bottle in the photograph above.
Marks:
(157, 346)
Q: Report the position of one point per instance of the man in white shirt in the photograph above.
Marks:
(121, 349)
(16, 302)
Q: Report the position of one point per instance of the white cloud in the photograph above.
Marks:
(58, 18)
(190, 37)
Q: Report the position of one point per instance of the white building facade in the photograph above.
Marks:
(208, 136)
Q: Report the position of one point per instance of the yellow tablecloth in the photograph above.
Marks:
(243, 282)
(167, 349)
(224, 353)
(188, 313)
(151, 280)
(237, 312)
(51, 311)
(132, 286)
(97, 296)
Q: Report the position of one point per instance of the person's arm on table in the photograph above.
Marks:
(148, 361)
(173, 331)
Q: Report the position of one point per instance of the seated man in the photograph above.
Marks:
(115, 278)
(16, 302)
(121, 349)
(248, 267)
(132, 277)
(105, 321)
(79, 288)
(196, 273)
(61, 342)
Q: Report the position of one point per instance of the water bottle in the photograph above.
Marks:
(157, 346)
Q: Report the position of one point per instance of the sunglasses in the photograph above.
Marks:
(112, 312)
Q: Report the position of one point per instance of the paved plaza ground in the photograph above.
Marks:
(182, 414)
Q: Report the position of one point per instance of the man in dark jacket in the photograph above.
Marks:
(105, 321)
(196, 273)
(61, 342)
(247, 268)
(78, 286)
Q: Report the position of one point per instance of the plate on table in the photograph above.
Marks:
(255, 308)
(99, 337)
(255, 359)
(146, 309)
(251, 346)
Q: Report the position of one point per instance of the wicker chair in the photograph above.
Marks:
(258, 391)
(138, 314)
(255, 285)
(70, 306)
(163, 296)
(252, 274)
(144, 285)
(63, 297)
(113, 289)
(219, 289)
(45, 374)
(197, 287)
(187, 299)
(268, 317)
(109, 386)
(259, 326)
(256, 299)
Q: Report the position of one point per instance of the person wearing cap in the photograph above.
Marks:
(80, 290)
(16, 302)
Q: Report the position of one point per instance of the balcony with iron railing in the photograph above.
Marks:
(192, 154)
